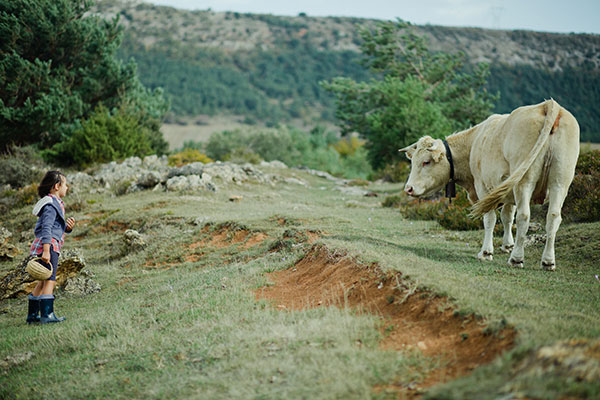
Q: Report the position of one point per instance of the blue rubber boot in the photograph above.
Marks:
(33, 313)
(47, 310)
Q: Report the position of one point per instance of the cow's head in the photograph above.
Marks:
(430, 169)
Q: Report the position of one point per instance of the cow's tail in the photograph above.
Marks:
(496, 196)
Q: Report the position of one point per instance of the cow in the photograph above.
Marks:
(506, 160)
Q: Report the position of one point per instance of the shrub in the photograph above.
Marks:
(427, 210)
(102, 138)
(393, 201)
(453, 216)
(20, 167)
(583, 202)
(187, 156)
(588, 162)
(243, 155)
(291, 146)
(26, 196)
(456, 215)
(348, 145)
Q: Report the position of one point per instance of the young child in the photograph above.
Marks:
(49, 237)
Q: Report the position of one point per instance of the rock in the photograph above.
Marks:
(149, 180)
(351, 190)
(7, 250)
(325, 175)
(295, 181)
(273, 164)
(534, 227)
(190, 182)
(195, 168)
(80, 182)
(70, 263)
(154, 162)
(235, 199)
(18, 282)
(82, 285)
(177, 183)
(536, 238)
(133, 241)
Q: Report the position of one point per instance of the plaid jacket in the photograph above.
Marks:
(51, 224)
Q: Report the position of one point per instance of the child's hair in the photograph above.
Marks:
(50, 179)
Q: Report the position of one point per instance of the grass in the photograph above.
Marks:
(169, 326)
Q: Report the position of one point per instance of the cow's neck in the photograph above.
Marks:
(460, 145)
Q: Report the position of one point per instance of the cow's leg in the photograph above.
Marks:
(507, 216)
(556, 197)
(523, 193)
(487, 249)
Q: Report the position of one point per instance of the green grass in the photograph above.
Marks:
(194, 329)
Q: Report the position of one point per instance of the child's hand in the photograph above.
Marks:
(70, 223)
(46, 256)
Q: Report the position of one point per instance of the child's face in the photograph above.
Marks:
(60, 189)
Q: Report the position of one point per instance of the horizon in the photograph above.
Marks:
(551, 16)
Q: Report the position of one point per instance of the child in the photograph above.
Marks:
(49, 237)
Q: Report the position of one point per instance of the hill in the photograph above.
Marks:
(321, 294)
(268, 68)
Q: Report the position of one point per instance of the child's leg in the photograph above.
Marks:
(38, 288)
(47, 287)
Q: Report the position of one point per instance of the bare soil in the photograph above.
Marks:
(411, 318)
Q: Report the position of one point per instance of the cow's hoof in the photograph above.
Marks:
(548, 266)
(485, 256)
(507, 248)
(515, 263)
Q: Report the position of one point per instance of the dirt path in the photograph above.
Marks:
(412, 318)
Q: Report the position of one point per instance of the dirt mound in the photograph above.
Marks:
(411, 318)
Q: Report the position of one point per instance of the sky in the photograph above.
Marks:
(579, 16)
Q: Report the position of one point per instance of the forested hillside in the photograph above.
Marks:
(268, 68)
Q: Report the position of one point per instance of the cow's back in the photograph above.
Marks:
(502, 142)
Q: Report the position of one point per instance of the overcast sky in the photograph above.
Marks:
(538, 15)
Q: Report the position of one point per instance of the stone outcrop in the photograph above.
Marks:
(153, 173)
(133, 241)
(18, 282)
(7, 250)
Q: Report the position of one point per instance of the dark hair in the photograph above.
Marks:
(50, 179)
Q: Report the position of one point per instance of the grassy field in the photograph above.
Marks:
(184, 317)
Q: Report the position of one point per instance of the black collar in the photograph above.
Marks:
(450, 187)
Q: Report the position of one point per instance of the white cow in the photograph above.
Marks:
(507, 159)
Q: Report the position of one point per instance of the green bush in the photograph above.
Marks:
(583, 201)
(104, 137)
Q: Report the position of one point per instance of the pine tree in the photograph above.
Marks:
(413, 92)
(57, 65)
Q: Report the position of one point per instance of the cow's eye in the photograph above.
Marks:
(426, 163)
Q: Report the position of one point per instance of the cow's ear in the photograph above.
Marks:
(409, 150)
(436, 150)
